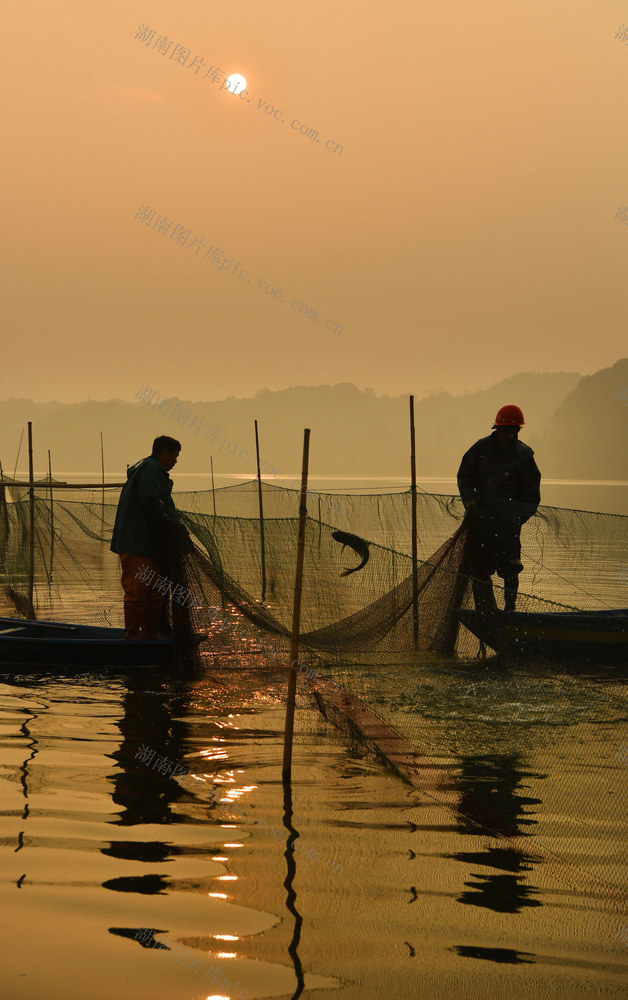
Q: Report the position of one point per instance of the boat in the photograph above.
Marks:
(565, 637)
(24, 642)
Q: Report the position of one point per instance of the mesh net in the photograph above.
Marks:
(240, 574)
(405, 693)
(572, 559)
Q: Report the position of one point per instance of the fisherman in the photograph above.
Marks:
(145, 518)
(499, 483)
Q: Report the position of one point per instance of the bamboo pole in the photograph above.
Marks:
(320, 527)
(70, 486)
(52, 513)
(17, 457)
(211, 462)
(261, 515)
(3, 501)
(415, 560)
(296, 615)
(102, 479)
(30, 613)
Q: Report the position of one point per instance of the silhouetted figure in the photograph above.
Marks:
(499, 484)
(146, 514)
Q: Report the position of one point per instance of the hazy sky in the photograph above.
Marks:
(466, 231)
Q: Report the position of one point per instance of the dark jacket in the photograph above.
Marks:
(144, 505)
(491, 475)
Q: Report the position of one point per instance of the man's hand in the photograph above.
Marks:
(186, 539)
(178, 534)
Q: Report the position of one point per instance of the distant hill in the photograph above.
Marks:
(576, 425)
(588, 434)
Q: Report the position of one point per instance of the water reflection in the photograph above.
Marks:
(33, 743)
(291, 893)
(158, 715)
(488, 785)
(489, 800)
(501, 955)
(151, 717)
(501, 893)
(169, 890)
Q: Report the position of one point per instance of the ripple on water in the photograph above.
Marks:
(124, 880)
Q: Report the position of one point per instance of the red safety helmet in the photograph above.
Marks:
(509, 416)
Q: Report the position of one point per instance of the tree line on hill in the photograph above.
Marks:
(578, 427)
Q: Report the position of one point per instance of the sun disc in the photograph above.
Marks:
(236, 83)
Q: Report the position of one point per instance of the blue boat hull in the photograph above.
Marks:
(33, 644)
(568, 637)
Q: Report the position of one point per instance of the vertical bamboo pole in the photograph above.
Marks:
(17, 457)
(102, 479)
(52, 513)
(30, 612)
(320, 528)
(261, 515)
(415, 560)
(211, 463)
(296, 615)
(3, 501)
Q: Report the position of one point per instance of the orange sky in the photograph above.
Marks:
(466, 231)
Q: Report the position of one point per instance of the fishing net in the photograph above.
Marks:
(381, 649)
(572, 560)
(238, 577)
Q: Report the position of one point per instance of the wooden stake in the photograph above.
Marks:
(211, 462)
(415, 560)
(261, 516)
(30, 613)
(296, 615)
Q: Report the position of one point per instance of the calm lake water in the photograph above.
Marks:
(501, 872)
(387, 891)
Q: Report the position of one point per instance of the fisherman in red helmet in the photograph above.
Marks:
(499, 484)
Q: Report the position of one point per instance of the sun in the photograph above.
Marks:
(236, 83)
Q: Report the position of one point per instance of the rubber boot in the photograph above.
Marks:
(483, 595)
(150, 621)
(165, 627)
(132, 621)
(511, 586)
